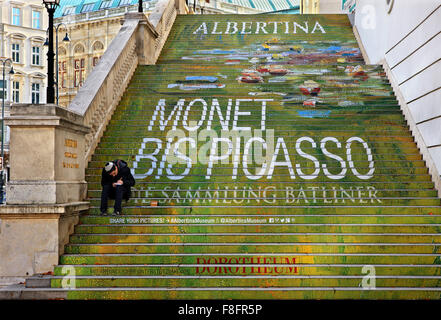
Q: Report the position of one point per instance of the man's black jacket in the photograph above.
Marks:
(123, 173)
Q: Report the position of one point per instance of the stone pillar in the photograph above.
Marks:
(46, 155)
(46, 191)
(181, 6)
(145, 38)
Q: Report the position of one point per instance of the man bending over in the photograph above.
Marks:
(116, 180)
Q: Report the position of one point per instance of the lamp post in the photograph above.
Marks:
(65, 39)
(2, 180)
(50, 5)
(140, 6)
(201, 7)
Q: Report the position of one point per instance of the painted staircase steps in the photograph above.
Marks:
(317, 245)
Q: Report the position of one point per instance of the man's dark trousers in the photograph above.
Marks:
(117, 193)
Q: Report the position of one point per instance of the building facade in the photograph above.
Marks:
(332, 6)
(310, 6)
(324, 6)
(91, 27)
(22, 36)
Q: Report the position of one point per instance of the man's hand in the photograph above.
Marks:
(118, 183)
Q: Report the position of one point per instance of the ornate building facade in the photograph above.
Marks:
(22, 35)
(91, 27)
(23, 27)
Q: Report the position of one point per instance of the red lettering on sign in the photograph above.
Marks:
(246, 265)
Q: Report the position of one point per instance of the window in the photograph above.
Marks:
(36, 19)
(36, 56)
(16, 91)
(88, 7)
(125, 2)
(35, 93)
(69, 10)
(16, 52)
(95, 61)
(106, 4)
(5, 84)
(16, 13)
(62, 74)
(79, 66)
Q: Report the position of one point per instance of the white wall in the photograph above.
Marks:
(330, 6)
(408, 42)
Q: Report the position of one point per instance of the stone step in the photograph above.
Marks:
(241, 293)
(341, 135)
(374, 144)
(270, 201)
(263, 228)
(280, 177)
(129, 105)
(290, 145)
(74, 250)
(207, 66)
(212, 74)
(373, 74)
(319, 194)
(143, 186)
(357, 158)
(247, 264)
(320, 293)
(94, 174)
(251, 238)
(292, 124)
(256, 116)
(125, 117)
(281, 84)
(276, 210)
(160, 217)
(337, 80)
(213, 66)
(305, 269)
(83, 253)
(246, 281)
(334, 129)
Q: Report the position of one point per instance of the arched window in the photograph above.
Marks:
(98, 48)
(79, 65)
(79, 48)
(62, 51)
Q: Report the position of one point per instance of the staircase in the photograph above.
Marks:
(320, 191)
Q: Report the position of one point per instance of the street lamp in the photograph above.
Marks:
(50, 5)
(65, 39)
(4, 61)
(140, 6)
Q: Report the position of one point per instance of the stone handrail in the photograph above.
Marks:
(162, 19)
(139, 41)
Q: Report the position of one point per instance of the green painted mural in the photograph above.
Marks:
(271, 163)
